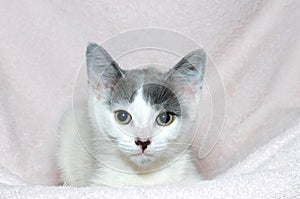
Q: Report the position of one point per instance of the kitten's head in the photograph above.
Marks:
(149, 115)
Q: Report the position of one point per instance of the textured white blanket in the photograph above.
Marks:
(255, 46)
(270, 172)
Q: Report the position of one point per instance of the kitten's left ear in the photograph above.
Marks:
(189, 72)
(103, 71)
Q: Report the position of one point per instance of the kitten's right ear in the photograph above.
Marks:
(103, 71)
(189, 72)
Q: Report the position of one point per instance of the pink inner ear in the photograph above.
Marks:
(100, 88)
(97, 90)
(191, 91)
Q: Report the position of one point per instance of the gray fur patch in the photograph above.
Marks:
(154, 88)
(126, 88)
(161, 96)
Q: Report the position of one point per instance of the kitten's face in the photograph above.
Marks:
(143, 129)
(147, 114)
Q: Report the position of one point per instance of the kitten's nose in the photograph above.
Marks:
(143, 144)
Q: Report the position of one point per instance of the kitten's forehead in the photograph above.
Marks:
(153, 86)
(161, 97)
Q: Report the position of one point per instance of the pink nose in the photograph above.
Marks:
(143, 144)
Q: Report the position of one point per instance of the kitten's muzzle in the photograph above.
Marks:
(143, 144)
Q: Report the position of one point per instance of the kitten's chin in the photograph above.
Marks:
(142, 159)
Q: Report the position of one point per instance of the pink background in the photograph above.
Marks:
(254, 44)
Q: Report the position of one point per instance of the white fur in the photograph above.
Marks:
(90, 158)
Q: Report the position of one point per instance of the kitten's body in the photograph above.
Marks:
(95, 150)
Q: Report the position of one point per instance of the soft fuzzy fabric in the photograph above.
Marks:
(271, 172)
(254, 45)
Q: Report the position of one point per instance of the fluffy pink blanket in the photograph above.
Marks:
(255, 48)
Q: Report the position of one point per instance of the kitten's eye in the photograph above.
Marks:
(122, 117)
(165, 119)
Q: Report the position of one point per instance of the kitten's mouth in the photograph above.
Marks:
(143, 154)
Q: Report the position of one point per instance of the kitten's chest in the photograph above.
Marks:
(117, 179)
(180, 171)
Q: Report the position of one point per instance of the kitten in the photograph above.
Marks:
(137, 126)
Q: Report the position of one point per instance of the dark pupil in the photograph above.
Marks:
(164, 118)
(122, 116)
